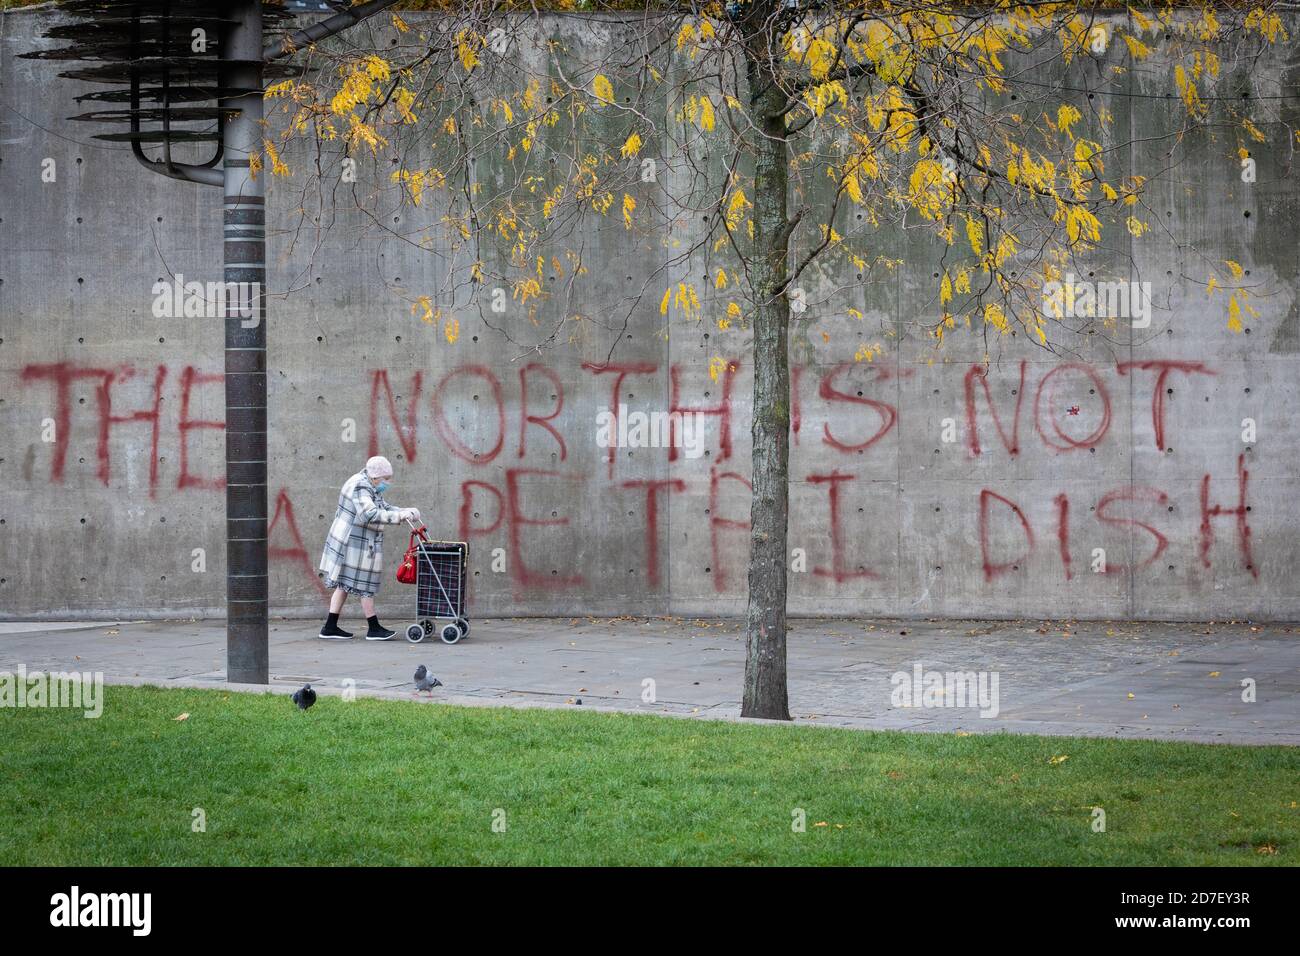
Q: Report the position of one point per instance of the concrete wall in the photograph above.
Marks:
(1113, 449)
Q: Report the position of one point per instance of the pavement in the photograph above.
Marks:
(1161, 681)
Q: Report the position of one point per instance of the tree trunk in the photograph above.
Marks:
(765, 626)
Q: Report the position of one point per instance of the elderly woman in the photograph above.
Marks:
(354, 551)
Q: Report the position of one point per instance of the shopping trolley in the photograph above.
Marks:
(440, 570)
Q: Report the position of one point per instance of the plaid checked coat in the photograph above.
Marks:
(354, 549)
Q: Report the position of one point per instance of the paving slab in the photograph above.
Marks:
(1188, 682)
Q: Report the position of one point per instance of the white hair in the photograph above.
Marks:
(379, 467)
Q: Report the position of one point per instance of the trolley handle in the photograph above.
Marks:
(420, 530)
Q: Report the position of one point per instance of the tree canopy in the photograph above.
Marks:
(992, 129)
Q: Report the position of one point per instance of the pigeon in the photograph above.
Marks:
(424, 680)
(304, 698)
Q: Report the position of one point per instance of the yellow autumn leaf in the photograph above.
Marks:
(629, 204)
(995, 317)
(685, 35)
(1066, 117)
(1136, 48)
(1082, 224)
(706, 114)
(1059, 759)
(736, 208)
(278, 167)
(603, 89)
(283, 88)
(425, 303)
(631, 146)
(1141, 20)
(716, 367)
(853, 188)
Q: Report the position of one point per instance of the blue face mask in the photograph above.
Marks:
(381, 487)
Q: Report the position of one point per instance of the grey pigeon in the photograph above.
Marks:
(424, 680)
(305, 697)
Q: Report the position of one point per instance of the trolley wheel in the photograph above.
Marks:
(451, 634)
(463, 624)
(427, 623)
(415, 633)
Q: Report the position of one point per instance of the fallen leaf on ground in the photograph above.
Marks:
(184, 716)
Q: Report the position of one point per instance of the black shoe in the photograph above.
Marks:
(379, 633)
(332, 632)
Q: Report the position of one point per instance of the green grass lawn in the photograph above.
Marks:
(389, 782)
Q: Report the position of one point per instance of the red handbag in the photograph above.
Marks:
(406, 570)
